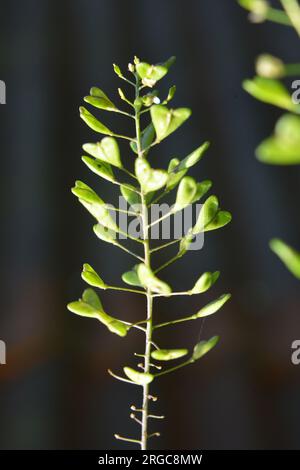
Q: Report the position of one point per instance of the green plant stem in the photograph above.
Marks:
(292, 10)
(172, 369)
(173, 322)
(147, 257)
(125, 289)
(160, 247)
(167, 263)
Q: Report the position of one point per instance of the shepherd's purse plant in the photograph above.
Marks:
(141, 188)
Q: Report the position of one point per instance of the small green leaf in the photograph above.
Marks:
(132, 197)
(101, 214)
(150, 281)
(213, 306)
(117, 70)
(186, 193)
(100, 168)
(84, 192)
(149, 179)
(174, 175)
(90, 276)
(140, 378)
(150, 74)
(131, 277)
(93, 123)
(171, 94)
(168, 354)
(202, 189)
(166, 120)
(107, 150)
(288, 255)
(211, 217)
(204, 282)
(147, 137)
(90, 306)
(283, 148)
(270, 91)
(105, 234)
(193, 157)
(99, 99)
(204, 347)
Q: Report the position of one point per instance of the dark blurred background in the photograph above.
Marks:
(55, 391)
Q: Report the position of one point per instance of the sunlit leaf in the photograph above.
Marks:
(131, 196)
(270, 91)
(150, 74)
(204, 347)
(149, 179)
(100, 168)
(147, 137)
(168, 354)
(99, 99)
(106, 234)
(211, 217)
(186, 193)
(213, 306)
(91, 307)
(90, 276)
(205, 281)
(84, 192)
(107, 150)
(166, 120)
(93, 123)
(150, 281)
(131, 278)
(288, 255)
(140, 378)
(283, 148)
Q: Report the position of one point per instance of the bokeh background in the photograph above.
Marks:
(55, 392)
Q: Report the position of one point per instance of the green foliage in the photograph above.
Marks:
(283, 147)
(288, 255)
(146, 184)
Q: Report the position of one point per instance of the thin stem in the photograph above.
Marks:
(172, 369)
(149, 328)
(125, 114)
(130, 252)
(173, 322)
(172, 294)
(125, 289)
(125, 137)
(163, 217)
(127, 439)
(160, 247)
(292, 10)
(129, 173)
(167, 263)
(123, 211)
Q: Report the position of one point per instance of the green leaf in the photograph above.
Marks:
(107, 150)
(150, 74)
(202, 189)
(105, 234)
(99, 99)
(100, 168)
(140, 378)
(84, 192)
(283, 148)
(149, 179)
(174, 175)
(168, 354)
(205, 282)
(186, 193)
(166, 120)
(90, 306)
(90, 276)
(131, 278)
(204, 347)
(171, 94)
(93, 123)
(193, 157)
(211, 217)
(270, 91)
(147, 137)
(213, 306)
(131, 196)
(288, 255)
(149, 281)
